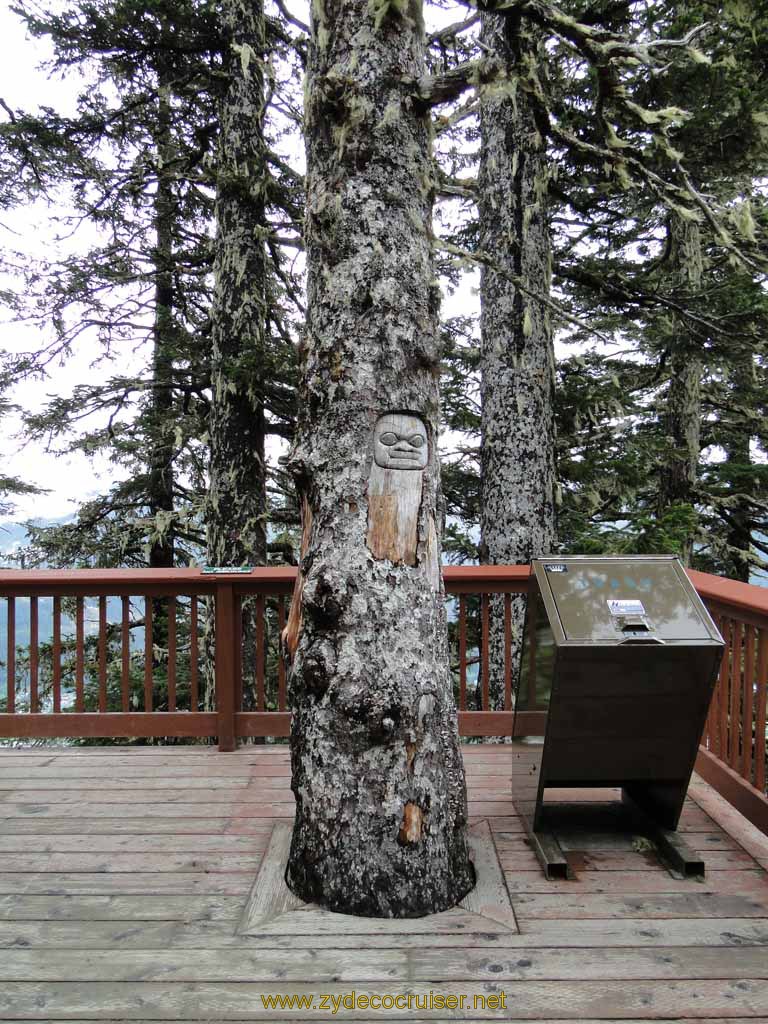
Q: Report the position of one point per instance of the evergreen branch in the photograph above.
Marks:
(624, 290)
(432, 90)
(291, 20)
(444, 124)
(464, 189)
(25, 150)
(669, 195)
(291, 289)
(756, 542)
(482, 259)
(720, 233)
(449, 33)
(600, 46)
(605, 51)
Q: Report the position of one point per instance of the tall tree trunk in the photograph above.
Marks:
(517, 356)
(160, 482)
(161, 423)
(738, 462)
(237, 497)
(377, 773)
(682, 415)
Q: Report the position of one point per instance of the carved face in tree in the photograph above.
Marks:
(400, 441)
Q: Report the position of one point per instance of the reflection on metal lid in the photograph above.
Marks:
(595, 593)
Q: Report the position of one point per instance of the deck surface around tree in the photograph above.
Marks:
(125, 872)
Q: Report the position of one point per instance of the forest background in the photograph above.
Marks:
(600, 226)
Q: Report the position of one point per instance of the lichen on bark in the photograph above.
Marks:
(237, 494)
(380, 824)
(518, 520)
(236, 504)
(681, 416)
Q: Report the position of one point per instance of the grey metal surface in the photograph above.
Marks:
(619, 600)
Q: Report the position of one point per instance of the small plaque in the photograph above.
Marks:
(626, 608)
(226, 570)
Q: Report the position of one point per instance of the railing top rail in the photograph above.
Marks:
(270, 573)
(150, 582)
(739, 596)
(272, 579)
(17, 577)
(486, 573)
(744, 597)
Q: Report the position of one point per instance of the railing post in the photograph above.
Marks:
(226, 653)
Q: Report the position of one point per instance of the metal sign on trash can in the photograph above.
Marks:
(630, 656)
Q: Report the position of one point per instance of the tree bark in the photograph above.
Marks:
(377, 773)
(738, 452)
(160, 479)
(236, 505)
(682, 415)
(517, 354)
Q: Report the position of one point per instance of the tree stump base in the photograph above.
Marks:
(272, 909)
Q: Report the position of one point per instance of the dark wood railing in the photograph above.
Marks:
(732, 757)
(162, 653)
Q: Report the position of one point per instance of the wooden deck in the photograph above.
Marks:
(124, 874)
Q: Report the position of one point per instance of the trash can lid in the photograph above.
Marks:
(618, 599)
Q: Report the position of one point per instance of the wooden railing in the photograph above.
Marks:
(732, 757)
(124, 653)
(176, 653)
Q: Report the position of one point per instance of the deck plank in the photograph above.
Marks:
(129, 791)
(141, 784)
(130, 842)
(230, 883)
(629, 861)
(34, 807)
(123, 908)
(454, 930)
(113, 825)
(727, 882)
(524, 1000)
(608, 842)
(142, 862)
(565, 907)
(355, 965)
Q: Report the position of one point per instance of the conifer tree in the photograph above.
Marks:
(380, 824)
(138, 163)
(517, 361)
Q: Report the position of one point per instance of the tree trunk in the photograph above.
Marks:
(377, 773)
(517, 354)
(738, 460)
(237, 497)
(682, 418)
(160, 482)
(160, 496)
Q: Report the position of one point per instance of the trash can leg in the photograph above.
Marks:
(671, 846)
(545, 845)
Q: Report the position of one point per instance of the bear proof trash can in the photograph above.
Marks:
(630, 656)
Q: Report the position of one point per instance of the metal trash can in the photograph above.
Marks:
(630, 656)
